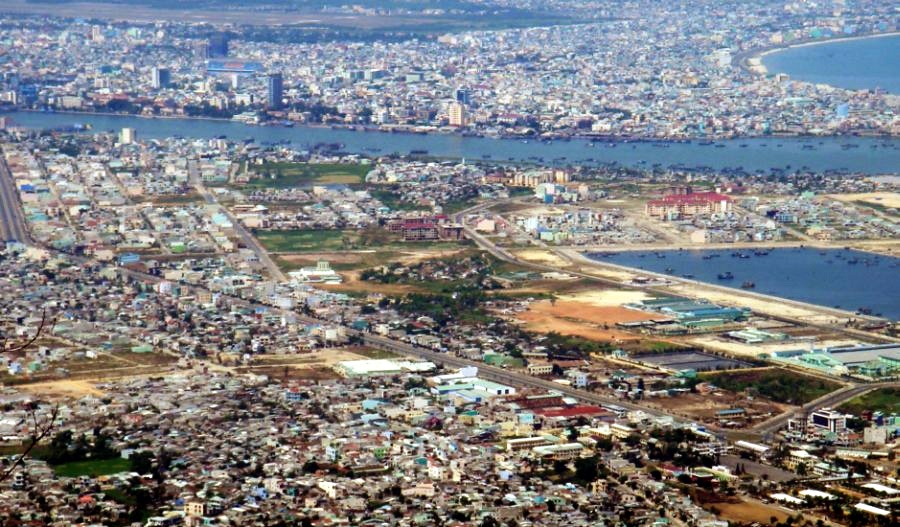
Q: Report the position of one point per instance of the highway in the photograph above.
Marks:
(12, 222)
(831, 400)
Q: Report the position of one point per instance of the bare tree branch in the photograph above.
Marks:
(38, 435)
(37, 334)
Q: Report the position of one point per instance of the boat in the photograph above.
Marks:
(725, 276)
(688, 275)
(748, 285)
(669, 269)
(761, 253)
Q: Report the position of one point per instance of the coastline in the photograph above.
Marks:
(743, 59)
(697, 287)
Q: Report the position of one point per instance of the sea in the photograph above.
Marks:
(840, 278)
(860, 64)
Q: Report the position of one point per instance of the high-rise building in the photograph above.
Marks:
(127, 136)
(218, 46)
(463, 95)
(162, 77)
(457, 114)
(276, 90)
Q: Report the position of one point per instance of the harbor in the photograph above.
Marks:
(859, 282)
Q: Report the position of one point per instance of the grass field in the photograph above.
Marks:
(288, 175)
(303, 240)
(344, 240)
(98, 467)
(886, 400)
(778, 385)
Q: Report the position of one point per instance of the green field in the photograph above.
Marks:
(778, 385)
(309, 240)
(289, 175)
(886, 400)
(303, 240)
(98, 467)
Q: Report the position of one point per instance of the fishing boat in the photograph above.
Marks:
(725, 276)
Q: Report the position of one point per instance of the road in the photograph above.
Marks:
(501, 375)
(248, 239)
(831, 400)
(576, 258)
(12, 221)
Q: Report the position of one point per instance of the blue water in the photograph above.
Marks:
(816, 276)
(872, 156)
(856, 64)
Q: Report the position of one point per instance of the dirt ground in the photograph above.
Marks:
(541, 256)
(61, 389)
(606, 297)
(886, 199)
(703, 407)
(581, 319)
(748, 512)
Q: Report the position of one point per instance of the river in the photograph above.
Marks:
(841, 278)
(864, 155)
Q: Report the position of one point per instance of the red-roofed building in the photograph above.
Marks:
(678, 206)
(583, 410)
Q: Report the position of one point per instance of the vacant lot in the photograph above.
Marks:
(778, 385)
(98, 467)
(288, 175)
(886, 400)
(304, 240)
(581, 319)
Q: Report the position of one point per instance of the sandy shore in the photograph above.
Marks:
(886, 199)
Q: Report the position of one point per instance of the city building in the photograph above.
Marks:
(162, 78)
(127, 136)
(457, 114)
(217, 46)
(275, 83)
(689, 205)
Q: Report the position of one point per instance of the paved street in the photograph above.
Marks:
(12, 223)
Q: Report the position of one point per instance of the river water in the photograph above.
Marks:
(864, 155)
(840, 278)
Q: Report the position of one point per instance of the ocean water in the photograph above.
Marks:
(840, 278)
(862, 64)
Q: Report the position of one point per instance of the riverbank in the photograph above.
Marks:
(770, 305)
(834, 155)
(797, 274)
(886, 247)
(598, 139)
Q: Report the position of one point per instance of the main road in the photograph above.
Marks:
(247, 238)
(12, 221)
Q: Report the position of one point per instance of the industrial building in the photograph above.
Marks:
(871, 361)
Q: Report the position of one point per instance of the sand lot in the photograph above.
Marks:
(61, 389)
(581, 319)
(541, 256)
(748, 512)
(886, 199)
(605, 298)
